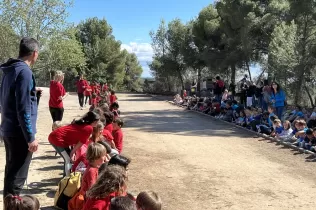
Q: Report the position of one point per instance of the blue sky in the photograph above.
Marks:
(132, 20)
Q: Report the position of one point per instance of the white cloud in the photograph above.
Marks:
(143, 51)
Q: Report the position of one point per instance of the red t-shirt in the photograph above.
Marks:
(94, 102)
(109, 127)
(112, 98)
(88, 91)
(81, 84)
(56, 90)
(89, 178)
(105, 87)
(107, 135)
(70, 135)
(99, 204)
(94, 88)
(118, 139)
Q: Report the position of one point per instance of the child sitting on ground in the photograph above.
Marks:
(228, 112)
(96, 156)
(81, 162)
(114, 108)
(287, 130)
(300, 132)
(111, 183)
(241, 120)
(113, 97)
(277, 128)
(118, 134)
(215, 108)
(26, 202)
(148, 201)
(309, 140)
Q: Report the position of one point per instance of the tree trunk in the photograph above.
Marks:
(309, 96)
(168, 83)
(249, 72)
(233, 74)
(181, 79)
(198, 87)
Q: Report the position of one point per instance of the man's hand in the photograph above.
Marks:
(33, 146)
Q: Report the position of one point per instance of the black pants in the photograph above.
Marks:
(87, 97)
(57, 113)
(81, 99)
(18, 159)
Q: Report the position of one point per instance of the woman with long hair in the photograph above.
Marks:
(57, 95)
(278, 99)
(74, 135)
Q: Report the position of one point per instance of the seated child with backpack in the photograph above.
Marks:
(111, 183)
(96, 156)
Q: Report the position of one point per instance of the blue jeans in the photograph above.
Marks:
(218, 97)
(264, 105)
(279, 111)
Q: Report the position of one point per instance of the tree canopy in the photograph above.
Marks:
(228, 37)
(88, 48)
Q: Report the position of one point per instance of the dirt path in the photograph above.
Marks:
(190, 160)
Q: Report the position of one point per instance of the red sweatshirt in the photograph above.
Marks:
(118, 139)
(99, 204)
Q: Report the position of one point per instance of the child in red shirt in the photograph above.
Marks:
(118, 134)
(113, 97)
(81, 162)
(96, 155)
(111, 183)
(109, 117)
(87, 93)
(76, 134)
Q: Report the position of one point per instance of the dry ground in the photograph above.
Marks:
(193, 162)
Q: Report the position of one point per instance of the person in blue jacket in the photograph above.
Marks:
(278, 99)
(19, 114)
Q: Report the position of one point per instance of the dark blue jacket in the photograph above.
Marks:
(18, 100)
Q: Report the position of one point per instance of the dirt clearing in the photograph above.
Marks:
(192, 161)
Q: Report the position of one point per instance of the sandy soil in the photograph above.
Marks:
(192, 161)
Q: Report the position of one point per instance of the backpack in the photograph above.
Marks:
(67, 188)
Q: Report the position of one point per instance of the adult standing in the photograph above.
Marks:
(19, 115)
(266, 94)
(81, 86)
(219, 88)
(57, 95)
(278, 99)
(75, 134)
(259, 96)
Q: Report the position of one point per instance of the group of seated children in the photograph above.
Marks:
(298, 126)
(92, 146)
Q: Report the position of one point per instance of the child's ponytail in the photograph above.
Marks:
(87, 119)
(26, 202)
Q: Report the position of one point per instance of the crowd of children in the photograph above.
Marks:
(294, 125)
(92, 146)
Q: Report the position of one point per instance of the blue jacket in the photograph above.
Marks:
(18, 100)
(279, 98)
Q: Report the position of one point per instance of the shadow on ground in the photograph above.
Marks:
(180, 122)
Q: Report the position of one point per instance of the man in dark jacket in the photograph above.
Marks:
(19, 115)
